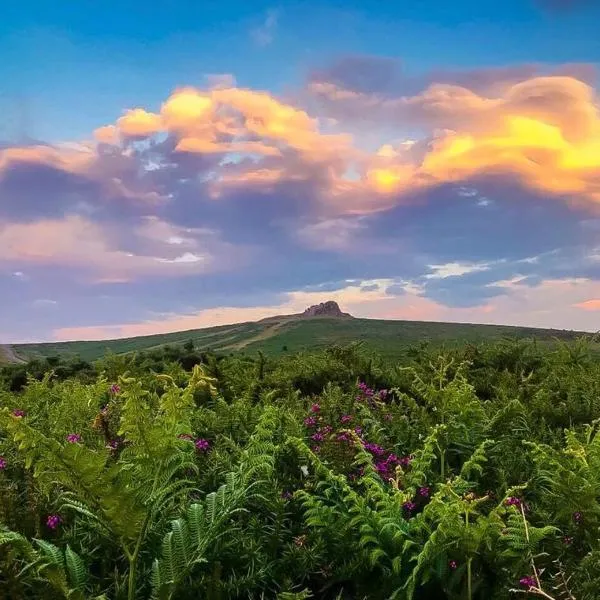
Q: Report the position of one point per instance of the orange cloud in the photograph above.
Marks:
(541, 131)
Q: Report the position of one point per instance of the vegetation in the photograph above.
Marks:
(469, 473)
(387, 338)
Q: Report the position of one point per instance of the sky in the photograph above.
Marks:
(178, 165)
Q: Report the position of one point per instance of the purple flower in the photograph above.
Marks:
(185, 436)
(424, 492)
(310, 421)
(409, 506)
(202, 445)
(113, 444)
(358, 430)
(2, 463)
(115, 389)
(315, 408)
(316, 449)
(577, 517)
(317, 437)
(405, 461)
(327, 430)
(392, 459)
(346, 418)
(383, 394)
(287, 495)
(567, 540)
(527, 582)
(53, 521)
(73, 438)
(18, 412)
(512, 501)
(344, 436)
(374, 449)
(452, 564)
(381, 468)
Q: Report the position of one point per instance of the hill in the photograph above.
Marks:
(317, 327)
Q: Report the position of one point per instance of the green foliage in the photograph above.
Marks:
(179, 474)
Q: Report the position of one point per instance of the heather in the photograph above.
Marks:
(469, 473)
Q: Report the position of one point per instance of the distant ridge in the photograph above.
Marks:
(319, 326)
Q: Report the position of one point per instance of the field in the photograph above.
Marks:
(277, 335)
(466, 473)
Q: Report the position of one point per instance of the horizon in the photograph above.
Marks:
(195, 166)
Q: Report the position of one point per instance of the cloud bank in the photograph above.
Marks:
(447, 184)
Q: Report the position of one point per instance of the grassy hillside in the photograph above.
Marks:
(286, 334)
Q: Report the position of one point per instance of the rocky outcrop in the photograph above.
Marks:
(325, 309)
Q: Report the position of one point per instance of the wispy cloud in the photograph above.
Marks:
(264, 34)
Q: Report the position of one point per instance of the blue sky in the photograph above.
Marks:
(471, 132)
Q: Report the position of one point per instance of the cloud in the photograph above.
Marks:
(454, 270)
(440, 187)
(263, 35)
(162, 249)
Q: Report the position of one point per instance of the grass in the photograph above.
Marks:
(275, 337)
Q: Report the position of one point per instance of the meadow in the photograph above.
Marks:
(468, 472)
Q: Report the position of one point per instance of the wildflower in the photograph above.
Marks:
(315, 408)
(405, 461)
(567, 540)
(316, 449)
(286, 495)
(185, 436)
(374, 449)
(358, 430)
(326, 430)
(344, 436)
(452, 564)
(317, 437)
(381, 468)
(310, 421)
(202, 445)
(18, 413)
(392, 459)
(577, 517)
(113, 444)
(424, 492)
(73, 438)
(2, 463)
(527, 582)
(383, 394)
(53, 521)
(115, 389)
(346, 418)
(409, 506)
(512, 501)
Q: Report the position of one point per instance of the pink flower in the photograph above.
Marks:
(527, 582)
(73, 438)
(315, 408)
(53, 521)
(452, 564)
(346, 418)
(18, 412)
(115, 389)
(202, 445)
(2, 463)
(310, 422)
(424, 491)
